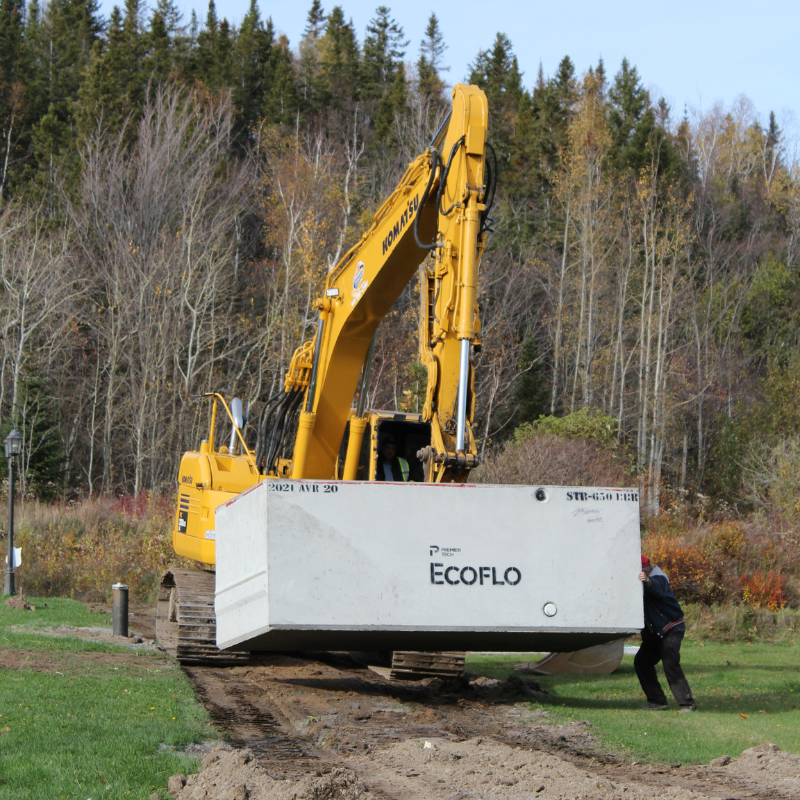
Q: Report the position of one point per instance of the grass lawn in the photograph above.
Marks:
(86, 719)
(747, 693)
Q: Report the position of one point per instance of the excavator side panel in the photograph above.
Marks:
(207, 480)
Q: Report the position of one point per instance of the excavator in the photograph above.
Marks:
(304, 547)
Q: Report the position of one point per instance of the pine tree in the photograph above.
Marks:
(565, 87)
(773, 149)
(132, 49)
(315, 20)
(166, 44)
(281, 98)
(11, 38)
(339, 62)
(384, 48)
(429, 64)
(158, 61)
(309, 56)
(630, 119)
(36, 68)
(12, 85)
(496, 71)
(101, 95)
(530, 392)
(66, 38)
(213, 52)
(393, 104)
(43, 453)
(249, 67)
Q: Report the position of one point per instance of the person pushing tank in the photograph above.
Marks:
(663, 632)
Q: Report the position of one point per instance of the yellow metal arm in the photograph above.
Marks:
(436, 209)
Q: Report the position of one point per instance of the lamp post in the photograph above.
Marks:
(13, 447)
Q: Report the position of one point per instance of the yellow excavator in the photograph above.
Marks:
(316, 442)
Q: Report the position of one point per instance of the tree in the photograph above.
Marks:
(281, 99)
(430, 64)
(41, 467)
(496, 71)
(13, 68)
(384, 48)
(250, 62)
(392, 105)
(631, 119)
(157, 233)
(339, 62)
(309, 55)
(213, 55)
(62, 51)
(101, 98)
(166, 44)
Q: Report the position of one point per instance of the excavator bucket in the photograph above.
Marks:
(307, 565)
(602, 659)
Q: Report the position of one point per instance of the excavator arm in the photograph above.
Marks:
(438, 213)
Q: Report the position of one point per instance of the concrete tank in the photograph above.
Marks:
(309, 564)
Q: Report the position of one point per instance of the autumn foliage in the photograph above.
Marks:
(731, 560)
(692, 574)
(764, 590)
(79, 550)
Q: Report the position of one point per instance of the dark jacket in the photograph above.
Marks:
(662, 612)
(397, 470)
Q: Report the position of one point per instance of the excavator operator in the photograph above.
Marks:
(390, 466)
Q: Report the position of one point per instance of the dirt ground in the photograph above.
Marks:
(319, 726)
(314, 726)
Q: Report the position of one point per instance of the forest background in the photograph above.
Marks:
(172, 194)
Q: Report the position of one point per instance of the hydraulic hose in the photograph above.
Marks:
(261, 437)
(435, 162)
(275, 430)
(443, 181)
(288, 422)
(491, 190)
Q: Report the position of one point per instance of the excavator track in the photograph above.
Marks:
(186, 625)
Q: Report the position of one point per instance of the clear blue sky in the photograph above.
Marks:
(692, 53)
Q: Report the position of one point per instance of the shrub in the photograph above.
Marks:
(581, 424)
(80, 549)
(764, 590)
(772, 476)
(544, 458)
(692, 574)
(727, 539)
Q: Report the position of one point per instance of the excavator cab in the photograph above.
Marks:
(410, 435)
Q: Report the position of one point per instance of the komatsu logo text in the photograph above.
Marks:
(405, 219)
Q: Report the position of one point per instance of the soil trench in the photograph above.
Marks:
(295, 718)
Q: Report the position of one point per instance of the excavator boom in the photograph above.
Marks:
(438, 208)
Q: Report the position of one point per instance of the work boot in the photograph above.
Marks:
(655, 707)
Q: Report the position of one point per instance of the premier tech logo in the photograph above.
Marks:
(405, 219)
